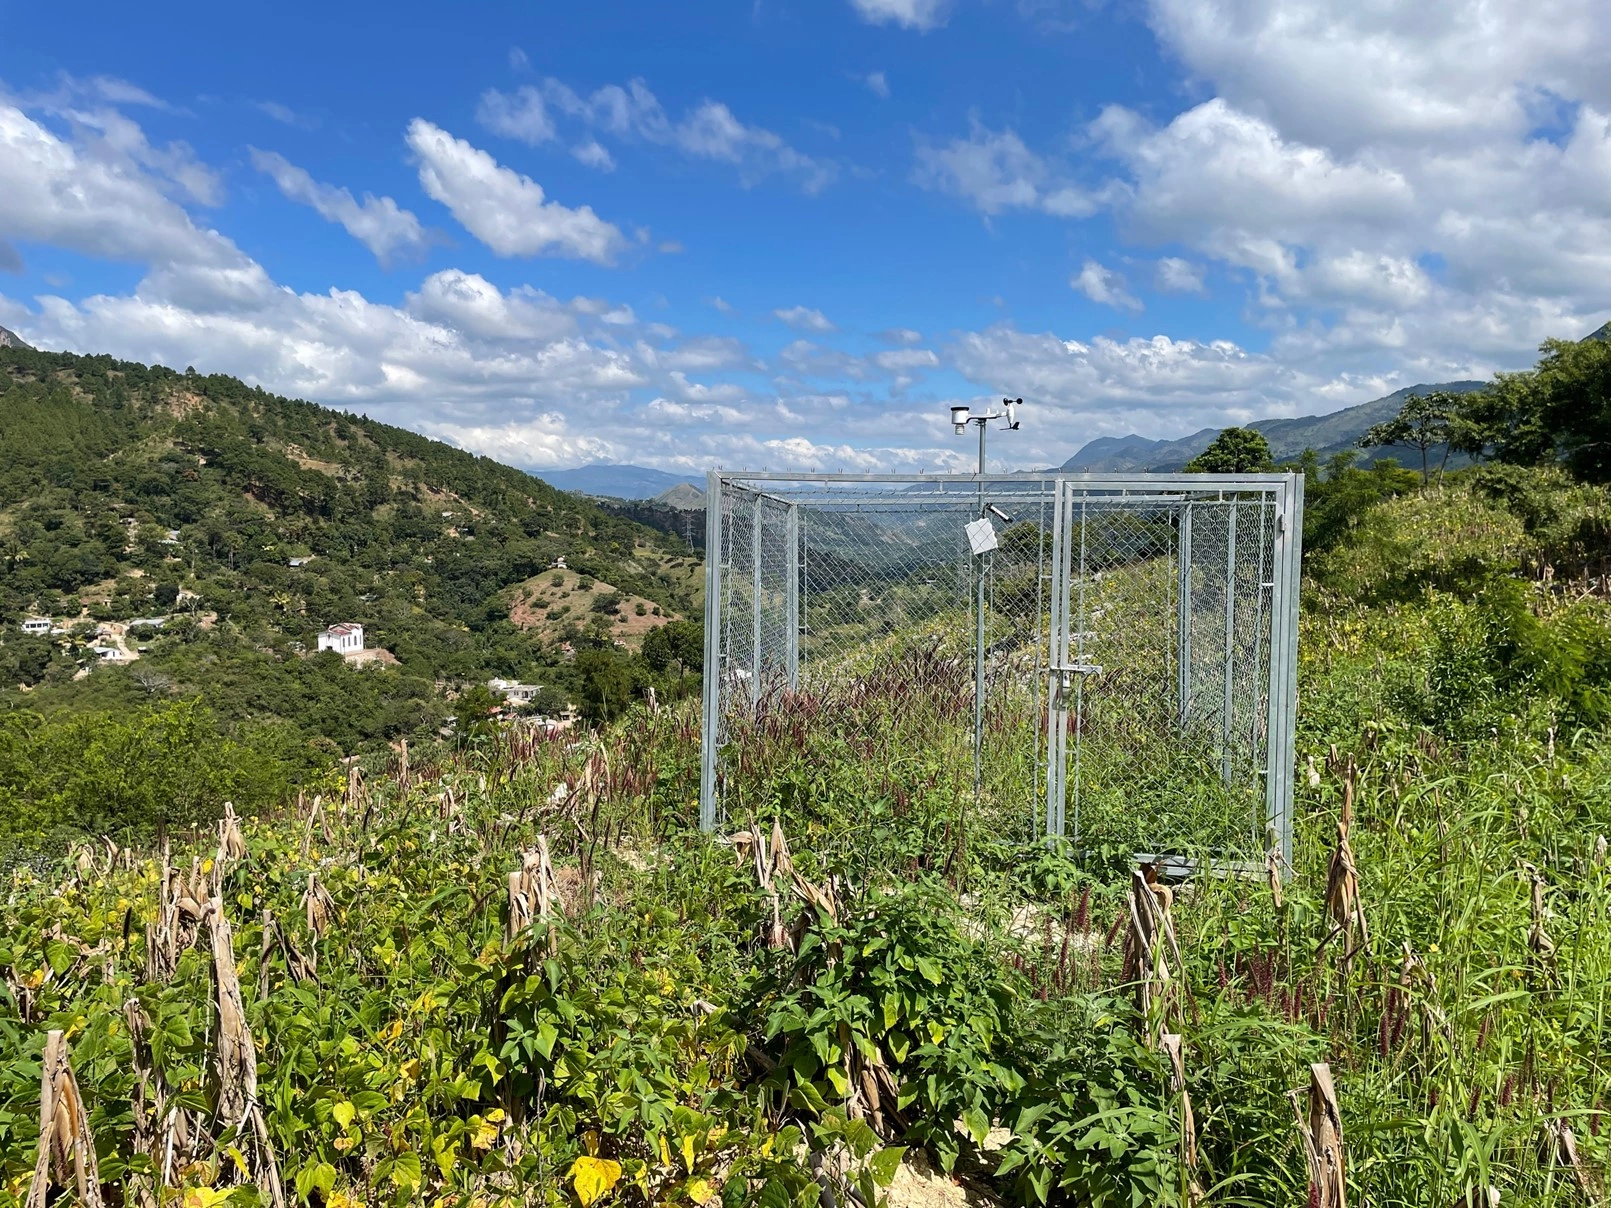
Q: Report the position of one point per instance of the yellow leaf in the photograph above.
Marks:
(410, 1069)
(700, 1191)
(205, 1197)
(482, 1133)
(239, 1160)
(392, 1031)
(593, 1178)
(343, 1113)
(690, 1143)
(665, 1151)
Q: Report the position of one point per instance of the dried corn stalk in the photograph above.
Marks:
(1320, 1129)
(231, 843)
(1173, 1048)
(298, 966)
(235, 1066)
(1342, 885)
(1272, 871)
(143, 1142)
(1563, 1152)
(64, 1131)
(1148, 942)
(533, 894)
(1543, 948)
(319, 907)
(178, 922)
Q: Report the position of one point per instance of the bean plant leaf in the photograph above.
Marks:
(594, 1178)
(977, 1124)
(885, 1163)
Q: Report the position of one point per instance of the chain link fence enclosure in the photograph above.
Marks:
(1130, 642)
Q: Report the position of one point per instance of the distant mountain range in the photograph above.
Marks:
(1325, 434)
(615, 481)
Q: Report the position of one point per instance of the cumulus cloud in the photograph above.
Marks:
(709, 130)
(1176, 276)
(1104, 286)
(379, 223)
(110, 206)
(995, 171)
(921, 15)
(505, 210)
(803, 318)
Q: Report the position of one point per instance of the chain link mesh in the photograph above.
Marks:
(847, 629)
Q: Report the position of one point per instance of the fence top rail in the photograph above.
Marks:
(1206, 482)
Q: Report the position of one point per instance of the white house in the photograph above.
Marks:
(558, 563)
(515, 694)
(295, 562)
(108, 654)
(346, 638)
(36, 625)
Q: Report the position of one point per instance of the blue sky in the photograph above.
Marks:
(790, 234)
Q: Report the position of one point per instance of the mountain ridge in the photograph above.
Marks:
(611, 480)
(1328, 433)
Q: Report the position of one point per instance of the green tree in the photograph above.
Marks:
(1425, 422)
(677, 646)
(608, 685)
(1234, 451)
(475, 711)
(1559, 409)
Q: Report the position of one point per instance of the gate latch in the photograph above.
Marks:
(1069, 671)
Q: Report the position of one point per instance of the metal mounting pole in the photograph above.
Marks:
(979, 640)
(755, 600)
(1230, 644)
(1183, 617)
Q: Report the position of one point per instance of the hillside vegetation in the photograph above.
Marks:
(130, 492)
(511, 971)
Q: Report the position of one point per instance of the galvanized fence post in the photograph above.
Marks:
(714, 672)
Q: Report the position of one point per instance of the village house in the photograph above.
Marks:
(296, 562)
(513, 693)
(345, 638)
(38, 626)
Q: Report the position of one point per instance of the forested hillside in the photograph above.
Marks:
(246, 523)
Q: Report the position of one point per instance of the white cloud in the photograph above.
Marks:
(1177, 276)
(594, 154)
(920, 15)
(720, 303)
(903, 335)
(94, 200)
(1351, 75)
(1104, 286)
(803, 318)
(877, 83)
(286, 116)
(379, 223)
(995, 171)
(502, 208)
(519, 115)
(709, 130)
(904, 360)
(471, 305)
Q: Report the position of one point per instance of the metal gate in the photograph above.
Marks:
(1170, 707)
(1122, 648)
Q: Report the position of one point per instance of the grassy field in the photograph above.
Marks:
(514, 972)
